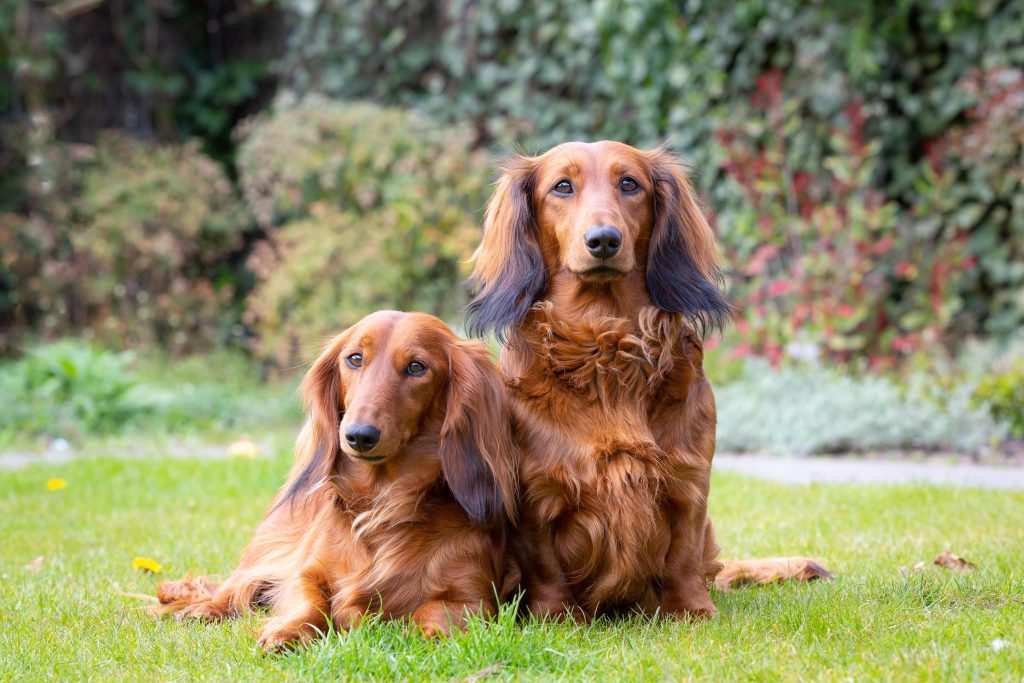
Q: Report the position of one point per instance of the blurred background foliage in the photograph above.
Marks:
(369, 208)
(256, 174)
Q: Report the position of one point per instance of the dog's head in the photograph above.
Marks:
(602, 215)
(394, 377)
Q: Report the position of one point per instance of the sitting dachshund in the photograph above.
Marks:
(599, 273)
(399, 499)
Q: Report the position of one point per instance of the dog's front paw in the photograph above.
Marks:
(694, 606)
(557, 610)
(437, 619)
(276, 637)
(348, 617)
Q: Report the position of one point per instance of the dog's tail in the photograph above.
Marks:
(175, 596)
(769, 570)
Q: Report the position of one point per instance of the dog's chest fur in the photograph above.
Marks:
(394, 559)
(593, 402)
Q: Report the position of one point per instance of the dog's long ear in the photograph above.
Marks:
(508, 273)
(683, 275)
(317, 447)
(478, 454)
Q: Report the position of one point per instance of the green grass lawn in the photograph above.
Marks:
(69, 619)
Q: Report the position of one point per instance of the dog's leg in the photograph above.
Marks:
(221, 605)
(299, 611)
(544, 583)
(440, 617)
(200, 599)
(691, 558)
(348, 614)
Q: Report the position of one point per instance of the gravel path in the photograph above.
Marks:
(863, 471)
(842, 470)
(16, 460)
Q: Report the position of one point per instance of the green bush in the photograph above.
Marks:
(156, 224)
(975, 179)
(130, 246)
(1003, 393)
(366, 208)
(68, 389)
(72, 389)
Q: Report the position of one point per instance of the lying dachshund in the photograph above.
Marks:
(399, 498)
(599, 272)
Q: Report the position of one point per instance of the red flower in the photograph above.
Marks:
(742, 351)
(906, 269)
(904, 344)
(759, 261)
(883, 245)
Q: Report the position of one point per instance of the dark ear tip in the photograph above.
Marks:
(487, 518)
(496, 311)
(484, 508)
(698, 300)
(479, 321)
(714, 321)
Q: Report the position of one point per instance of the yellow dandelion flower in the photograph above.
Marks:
(56, 484)
(147, 565)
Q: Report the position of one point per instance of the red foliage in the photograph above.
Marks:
(819, 256)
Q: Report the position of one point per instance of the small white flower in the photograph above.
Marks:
(998, 644)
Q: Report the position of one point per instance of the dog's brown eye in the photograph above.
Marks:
(629, 185)
(416, 368)
(563, 187)
(355, 361)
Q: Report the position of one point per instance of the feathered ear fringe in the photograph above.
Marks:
(509, 273)
(683, 274)
(316, 449)
(477, 447)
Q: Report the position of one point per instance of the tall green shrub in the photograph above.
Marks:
(366, 208)
(130, 246)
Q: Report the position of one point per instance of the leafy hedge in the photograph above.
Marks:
(767, 99)
(127, 242)
(865, 160)
(365, 208)
(822, 262)
(356, 208)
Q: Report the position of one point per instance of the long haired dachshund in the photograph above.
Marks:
(399, 497)
(599, 272)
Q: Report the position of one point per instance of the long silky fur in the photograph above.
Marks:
(683, 275)
(509, 273)
(339, 540)
(615, 418)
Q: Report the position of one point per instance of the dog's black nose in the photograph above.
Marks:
(603, 241)
(362, 437)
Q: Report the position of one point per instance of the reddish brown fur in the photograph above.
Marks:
(614, 416)
(420, 534)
